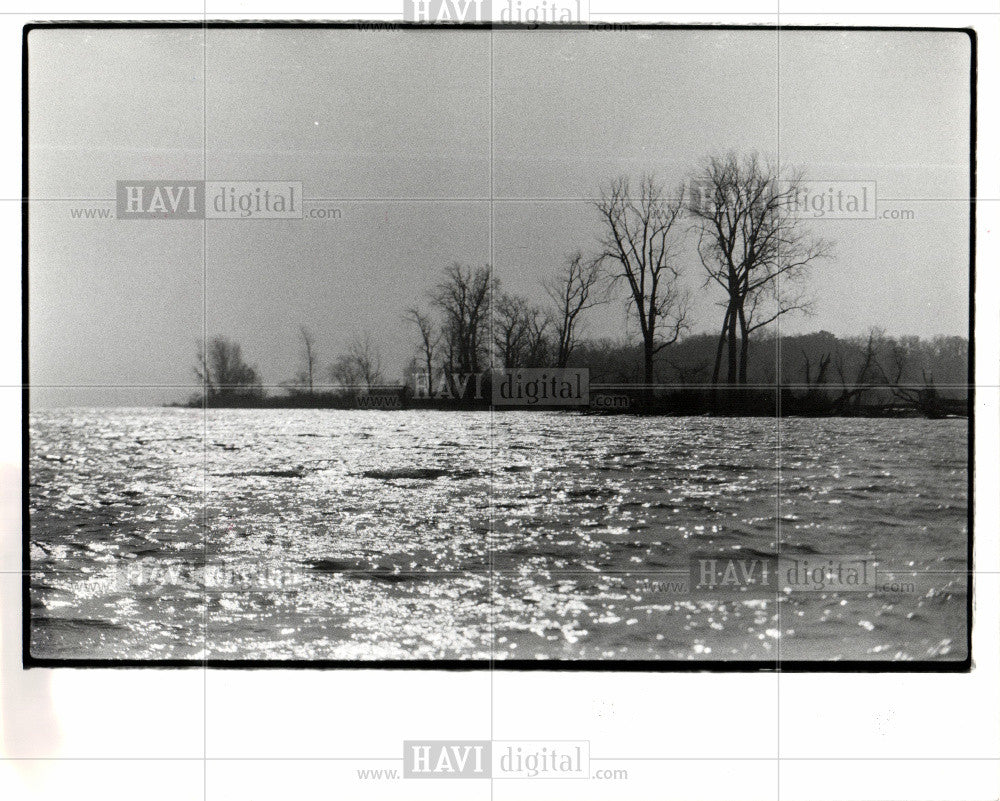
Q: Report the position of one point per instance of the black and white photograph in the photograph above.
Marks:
(499, 345)
(484, 400)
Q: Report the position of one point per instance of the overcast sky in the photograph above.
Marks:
(365, 116)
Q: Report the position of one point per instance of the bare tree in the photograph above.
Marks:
(223, 372)
(309, 358)
(750, 240)
(641, 241)
(537, 346)
(367, 359)
(924, 396)
(573, 291)
(430, 338)
(815, 397)
(510, 330)
(814, 381)
(360, 366)
(463, 298)
(344, 371)
(866, 375)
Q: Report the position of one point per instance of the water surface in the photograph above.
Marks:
(319, 534)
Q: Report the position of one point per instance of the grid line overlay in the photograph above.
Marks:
(777, 401)
(204, 405)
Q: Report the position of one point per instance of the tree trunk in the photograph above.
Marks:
(744, 347)
(722, 343)
(731, 356)
(563, 356)
(647, 373)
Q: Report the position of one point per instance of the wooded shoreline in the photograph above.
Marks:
(683, 402)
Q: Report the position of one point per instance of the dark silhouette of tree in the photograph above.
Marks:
(750, 239)
(815, 398)
(892, 360)
(367, 359)
(510, 330)
(430, 338)
(609, 361)
(520, 333)
(817, 380)
(640, 245)
(305, 378)
(223, 372)
(925, 397)
(873, 373)
(573, 291)
(860, 369)
(537, 347)
(463, 298)
(344, 371)
(359, 367)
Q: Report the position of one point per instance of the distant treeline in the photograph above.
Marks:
(815, 374)
(753, 250)
(865, 363)
(810, 374)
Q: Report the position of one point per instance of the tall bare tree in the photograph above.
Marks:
(430, 338)
(573, 290)
(309, 358)
(641, 244)
(536, 345)
(510, 330)
(463, 298)
(752, 245)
